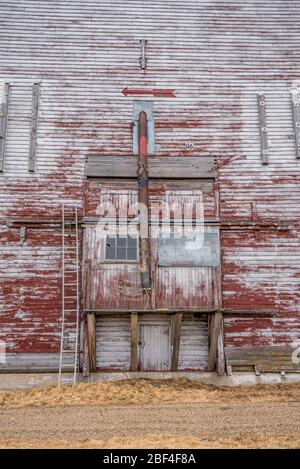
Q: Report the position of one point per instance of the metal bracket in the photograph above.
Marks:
(296, 121)
(22, 234)
(257, 371)
(147, 107)
(33, 126)
(143, 59)
(3, 125)
(264, 144)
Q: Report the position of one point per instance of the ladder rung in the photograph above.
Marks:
(68, 351)
(70, 284)
(70, 310)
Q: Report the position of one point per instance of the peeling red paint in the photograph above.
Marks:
(86, 58)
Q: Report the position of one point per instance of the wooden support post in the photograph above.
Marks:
(134, 342)
(215, 326)
(85, 364)
(176, 341)
(220, 350)
(91, 340)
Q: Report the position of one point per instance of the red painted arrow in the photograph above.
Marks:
(161, 93)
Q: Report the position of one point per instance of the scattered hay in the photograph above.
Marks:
(252, 440)
(146, 391)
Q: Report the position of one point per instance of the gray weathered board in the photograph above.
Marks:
(31, 362)
(159, 167)
(265, 358)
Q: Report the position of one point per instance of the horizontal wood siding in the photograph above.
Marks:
(113, 342)
(217, 56)
(193, 350)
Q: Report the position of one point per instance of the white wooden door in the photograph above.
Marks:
(154, 347)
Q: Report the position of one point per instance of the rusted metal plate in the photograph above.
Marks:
(203, 251)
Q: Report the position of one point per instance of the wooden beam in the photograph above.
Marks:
(244, 312)
(215, 325)
(91, 339)
(134, 342)
(176, 341)
(162, 167)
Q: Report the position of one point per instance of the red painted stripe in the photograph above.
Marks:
(165, 93)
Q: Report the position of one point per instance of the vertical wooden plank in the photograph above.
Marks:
(220, 350)
(33, 126)
(264, 144)
(86, 366)
(3, 125)
(176, 341)
(296, 121)
(220, 359)
(91, 339)
(215, 325)
(134, 342)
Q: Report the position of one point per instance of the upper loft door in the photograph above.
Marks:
(183, 266)
(184, 246)
(111, 270)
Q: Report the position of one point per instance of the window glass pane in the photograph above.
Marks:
(121, 242)
(121, 253)
(132, 242)
(110, 252)
(117, 248)
(110, 241)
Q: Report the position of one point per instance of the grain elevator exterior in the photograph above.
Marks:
(217, 84)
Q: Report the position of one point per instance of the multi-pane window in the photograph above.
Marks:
(121, 248)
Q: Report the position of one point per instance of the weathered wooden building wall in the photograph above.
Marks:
(216, 55)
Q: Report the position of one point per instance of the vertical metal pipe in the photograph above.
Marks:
(143, 183)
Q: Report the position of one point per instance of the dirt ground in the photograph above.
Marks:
(151, 414)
